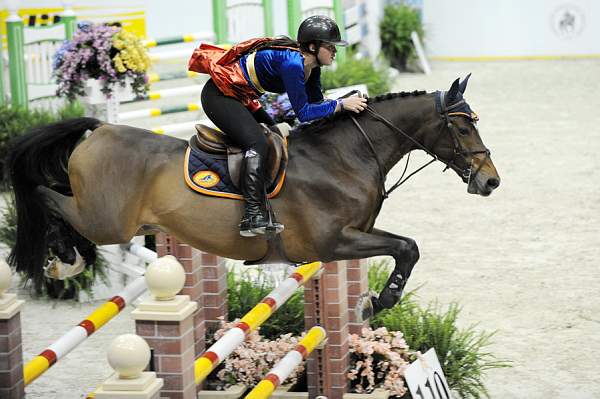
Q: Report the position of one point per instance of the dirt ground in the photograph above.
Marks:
(523, 262)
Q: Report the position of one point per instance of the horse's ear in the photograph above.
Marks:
(453, 90)
(463, 84)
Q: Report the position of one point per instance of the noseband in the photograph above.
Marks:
(466, 173)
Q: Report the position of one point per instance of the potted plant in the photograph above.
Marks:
(378, 360)
(395, 29)
(107, 56)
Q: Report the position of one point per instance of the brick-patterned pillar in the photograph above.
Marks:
(11, 352)
(326, 304)
(191, 259)
(168, 327)
(358, 284)
(214, 279)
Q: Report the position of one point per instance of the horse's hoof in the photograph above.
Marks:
(364, 308)
(58, 270)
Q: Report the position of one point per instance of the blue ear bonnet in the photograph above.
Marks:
(456, 104)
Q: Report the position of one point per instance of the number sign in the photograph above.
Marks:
(426, 379)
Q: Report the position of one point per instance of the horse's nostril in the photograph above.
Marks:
(493, 182)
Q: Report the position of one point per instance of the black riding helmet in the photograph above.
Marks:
(320, 28)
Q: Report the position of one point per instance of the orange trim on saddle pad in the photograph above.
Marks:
(208, 179)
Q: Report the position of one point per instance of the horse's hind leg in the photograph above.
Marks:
(99, 224)
(63, 206)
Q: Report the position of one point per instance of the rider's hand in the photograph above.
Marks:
(354, 104)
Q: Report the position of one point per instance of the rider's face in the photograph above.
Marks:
(326, 53)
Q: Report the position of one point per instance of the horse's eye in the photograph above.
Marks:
(464, 132)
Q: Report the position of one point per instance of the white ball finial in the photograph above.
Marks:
(165, 277)
(5, 276)
(128, 355)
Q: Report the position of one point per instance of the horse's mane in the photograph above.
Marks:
(321, 123)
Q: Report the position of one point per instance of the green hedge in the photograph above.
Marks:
(356, 71)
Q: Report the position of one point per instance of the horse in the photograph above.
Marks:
(121, 181)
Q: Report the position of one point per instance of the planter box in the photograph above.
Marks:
(234, 392)
(282, 393)
(376, 394)
(94, 95)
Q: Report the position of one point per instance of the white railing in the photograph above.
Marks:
(245, 19)
(40, 46)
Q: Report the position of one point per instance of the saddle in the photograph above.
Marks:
(215, 142)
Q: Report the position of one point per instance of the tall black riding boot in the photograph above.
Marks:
(256, 219)
(253, 188)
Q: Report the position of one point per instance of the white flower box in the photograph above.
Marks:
(282, 393)
(233, 392)
(376, 394)
(94, 95)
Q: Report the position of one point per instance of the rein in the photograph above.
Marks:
(466, 173)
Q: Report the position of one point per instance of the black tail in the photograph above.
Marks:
(40, 158)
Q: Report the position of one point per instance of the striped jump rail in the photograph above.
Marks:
(155, 77)
(176, 54)
(288, 363)
(190, 37)
(166, 93)
(69, 341)
(153, 112)
(180, 129)
(234, 337)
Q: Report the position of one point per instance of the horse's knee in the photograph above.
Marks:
(413, 250)
(407, 252)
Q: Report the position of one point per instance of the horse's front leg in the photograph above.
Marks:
(356, 244)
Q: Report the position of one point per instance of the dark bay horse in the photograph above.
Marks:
(122, 181)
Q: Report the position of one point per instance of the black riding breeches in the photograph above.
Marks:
(235, 120)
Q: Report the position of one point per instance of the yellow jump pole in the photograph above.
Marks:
(288, 363)
(233, 338)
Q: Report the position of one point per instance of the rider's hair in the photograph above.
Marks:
(285, 41)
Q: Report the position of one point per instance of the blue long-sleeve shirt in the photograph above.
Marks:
(282, 70)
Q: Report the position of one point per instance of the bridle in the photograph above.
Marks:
(466, 173)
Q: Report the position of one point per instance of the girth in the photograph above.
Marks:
(213, 141)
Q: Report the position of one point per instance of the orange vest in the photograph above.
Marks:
(225, 70)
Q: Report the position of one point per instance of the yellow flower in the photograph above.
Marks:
(132, 54)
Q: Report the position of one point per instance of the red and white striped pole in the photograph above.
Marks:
(69, 341)
(233, 338)
(288, 363)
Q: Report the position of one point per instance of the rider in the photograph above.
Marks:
(240, 75)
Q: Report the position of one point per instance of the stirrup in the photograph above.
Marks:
(271, 228)
(249, 229)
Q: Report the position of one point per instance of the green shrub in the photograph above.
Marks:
(356, 71)
(462, 352)
(394, 30)
(16, 121)
(244, 293)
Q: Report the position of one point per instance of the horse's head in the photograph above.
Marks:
(459, 144)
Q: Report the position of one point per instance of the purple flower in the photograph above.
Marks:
(88, 56)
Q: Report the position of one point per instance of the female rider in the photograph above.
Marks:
(240, 75)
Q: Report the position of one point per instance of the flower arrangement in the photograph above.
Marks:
(252, 360)
(103, 52)
(379, 359)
